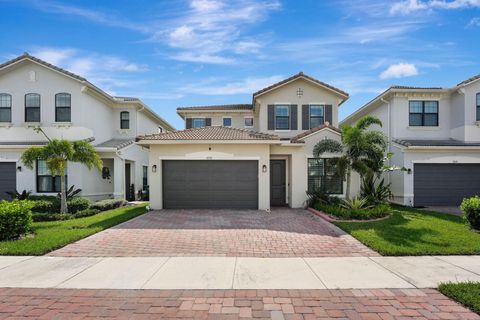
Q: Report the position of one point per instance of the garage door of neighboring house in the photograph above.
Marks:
(445, 184)
(8, 179)
(210, 184)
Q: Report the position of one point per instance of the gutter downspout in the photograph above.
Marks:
(389, 133)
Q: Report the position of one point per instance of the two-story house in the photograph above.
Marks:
(434, 133)
(34, 93)
(250, 156)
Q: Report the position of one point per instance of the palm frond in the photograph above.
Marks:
(367, 121)
(327, 145)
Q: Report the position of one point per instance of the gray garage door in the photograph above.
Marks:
(8, 178)
(215, 184)
(445, 184)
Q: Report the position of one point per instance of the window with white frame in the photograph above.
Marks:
(63, 106)
(317, 115)
(282, 117)
(249, 122)
(124, 120)
(32, 107)
(46, 182)
(5, 107)
(198, 123)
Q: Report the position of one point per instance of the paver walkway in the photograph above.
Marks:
(229, 304)
(232, 233)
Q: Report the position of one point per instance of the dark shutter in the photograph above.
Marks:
(188, 123)
(208, 122)
(271, 117)
(305, 117)
(293, 117)
(329, 114)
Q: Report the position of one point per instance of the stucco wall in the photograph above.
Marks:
(472, 130)
(258, 152)
(238, 118)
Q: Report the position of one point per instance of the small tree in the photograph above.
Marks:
(362, 150)
(57, 153)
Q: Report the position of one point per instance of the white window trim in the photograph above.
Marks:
(196, 118)
(288, 104)
(249, 117)
(231, 121)
(323, 104)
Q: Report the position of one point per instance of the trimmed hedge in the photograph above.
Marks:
(378, 211)
(15, 218)
(108, 204)
(38, 217)
(471, 211)
(78, 204)
(47, 204)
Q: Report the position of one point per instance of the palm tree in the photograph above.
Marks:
(362, 150)
(57, 153)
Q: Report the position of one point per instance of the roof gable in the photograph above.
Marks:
(300, 137)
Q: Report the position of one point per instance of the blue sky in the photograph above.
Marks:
(201, 52)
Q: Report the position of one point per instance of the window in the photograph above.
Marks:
(124, 120)
(478, 106)
(32, 107)
(227, 122)
(145, 177)
(198, 123)
(322, 174)
(317, 116)
(248, 122)
(63, 105)
(5, 107)
(423, 113)
(282, 117)
(45, 181)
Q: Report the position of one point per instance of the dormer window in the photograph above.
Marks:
(5, 107)
(317, 115)
(478, 106)
(124, 120)
(32, 107)
(227, 122)
(198, 123)
(423, 113)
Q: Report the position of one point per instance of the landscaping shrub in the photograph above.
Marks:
(374, 212)
(77, 204)
(374, 189)
(471, 211)
(38, 217)
(319, 196)
(86, 213)
(108, 204)
(46, 204)
(15, 218)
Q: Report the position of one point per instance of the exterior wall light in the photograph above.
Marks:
(264, 168)
(19, 169)
(409, 171)
(154, 168)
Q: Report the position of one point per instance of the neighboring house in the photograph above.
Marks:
(34, 93)
(435, 134)
(250, 156)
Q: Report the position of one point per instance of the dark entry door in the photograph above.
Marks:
(128, 182)
(277, 183)
(8, 179)
(445, 184)
(210, 184)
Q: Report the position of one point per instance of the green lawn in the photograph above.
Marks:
(416, 232)
(55, 234)
(467, 293)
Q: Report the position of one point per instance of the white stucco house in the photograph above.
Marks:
(34, 93)
(435, 134)
(250, 156)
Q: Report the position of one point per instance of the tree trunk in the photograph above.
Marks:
(63, 195)
(349, 178)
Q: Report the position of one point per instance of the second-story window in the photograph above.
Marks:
(198, 123)
(423, 113)
(478, 106)
(124, 120)
(63, 107)
(5, 107)
(317, 115)
(32, 107)
(227, 122)
(282, 117)
(248, 122)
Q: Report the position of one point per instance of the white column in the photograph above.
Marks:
(118, 176)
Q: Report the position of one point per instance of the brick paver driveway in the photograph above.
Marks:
(282, 233)
(229, 304)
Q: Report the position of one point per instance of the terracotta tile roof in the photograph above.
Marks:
(115, 143)
(300, 75)
(298, 137)
(469, 80)
(210, 133)
(435, 143)
(219, 107)
(40, 61)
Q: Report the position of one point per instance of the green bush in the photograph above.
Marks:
(15, 218)
(375, 212)
(38, 217)
(45, 204)
(108, 204)
(471, 211)
(77, 204)
(86, 213)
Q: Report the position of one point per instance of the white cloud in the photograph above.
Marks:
(410, 6)
(202, 58)
(246, 86)
(475, 22)
(399, 70)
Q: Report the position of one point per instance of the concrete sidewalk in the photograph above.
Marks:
(236, 273)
